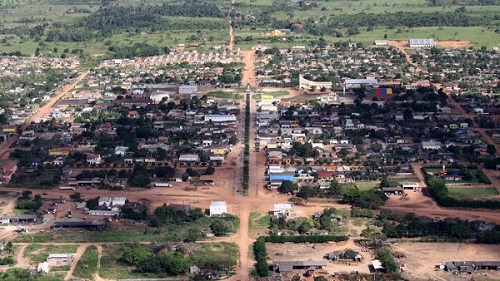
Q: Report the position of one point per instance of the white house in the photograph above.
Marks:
(121, 150)
(431, 145)
(218, 208)
(94, 159)
(118, 201)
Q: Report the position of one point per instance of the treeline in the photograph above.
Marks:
(411, 226)
(305, 238)
(439, 191)
(260, 253)
(246, 155)
(150, 17)
(464, 2)
(137, 50)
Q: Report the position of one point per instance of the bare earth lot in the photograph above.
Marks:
(422, 257)
(315, 252)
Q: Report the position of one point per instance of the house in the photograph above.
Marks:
(43, 268)
(188, 89)
(431, 145)
(118, 201)
(94, 159)
(60, 259)
(121, 150)
(218, 208)
(410, 185)
(105, 201)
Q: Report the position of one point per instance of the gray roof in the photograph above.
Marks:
(421, 41)
(299, 263)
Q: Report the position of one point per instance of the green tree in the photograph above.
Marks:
(221, 227)
(134, 254)
(287, 187)
(233, 139)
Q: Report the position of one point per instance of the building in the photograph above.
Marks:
(29, 218)
(380, 42)
(189, 158)
(281, 177)
(289, 266)
(188, 89)
(121, 150)
(431, 145)
(220, 118)
(358, 83)
(218, 208)
(421, 43)
(106, 213)
(60, 259)
(308, 84)
(78, 223)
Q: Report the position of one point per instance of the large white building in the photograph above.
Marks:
(189, 158)
(357, 83)
(218, 208)
(421, 43)
(220, 118)
(308, 84)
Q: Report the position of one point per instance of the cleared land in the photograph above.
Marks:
(422, 257)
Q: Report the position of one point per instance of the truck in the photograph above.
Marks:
(66, 188)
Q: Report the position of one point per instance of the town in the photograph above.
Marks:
(266, 158)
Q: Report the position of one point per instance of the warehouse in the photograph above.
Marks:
(421, 43)
(357, 83)
(189, 158)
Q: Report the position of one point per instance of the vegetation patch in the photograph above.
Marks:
(87, 265)
(471, 192)
(225, 95)
(37, 253)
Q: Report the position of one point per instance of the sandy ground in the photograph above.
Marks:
(422, 257)
(454, 44)
(315, 252)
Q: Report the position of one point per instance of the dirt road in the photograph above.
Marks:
(400, 45)
(249, 70)
(231, 31)
(42, 111)
(79, 252)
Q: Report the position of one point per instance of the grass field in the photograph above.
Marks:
(471, 192)
(87, 265)
(478, 36)
(37, 253)
(225, 95)
(367, 185)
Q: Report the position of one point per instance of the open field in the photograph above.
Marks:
(315, 252)
(225, 95)
(476, 35)
(37, 253)
(422, 257)
(471, 192)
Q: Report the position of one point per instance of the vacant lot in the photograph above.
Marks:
(422, 257)
(472, 192)
(37, 253)
(315, 252)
